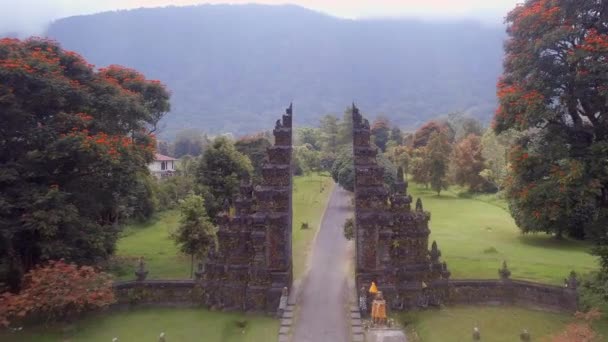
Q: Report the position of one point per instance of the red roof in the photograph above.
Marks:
(160, 157)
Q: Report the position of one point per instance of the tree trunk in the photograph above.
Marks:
(191, 266)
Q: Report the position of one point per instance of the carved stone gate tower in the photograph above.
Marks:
(253, 261)
(391, 239)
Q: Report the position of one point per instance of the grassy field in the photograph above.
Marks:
(179, 325)
(476, 235)
(152, 239)
(309, 204)
(496, 324)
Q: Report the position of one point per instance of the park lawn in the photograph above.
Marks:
(496, 324)
(309, 204)
(476, 235)
(152, 240)
(179, 325)
(164, 261)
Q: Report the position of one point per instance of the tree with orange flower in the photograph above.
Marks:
(554, 92)
(74, 147)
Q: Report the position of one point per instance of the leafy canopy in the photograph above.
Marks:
(74, 145)
(555, 91)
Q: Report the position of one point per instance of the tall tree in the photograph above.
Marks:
(219, 172)
(329, 133)
(74, 145)
(396, 136)
(254, 147)
(463, 125)
(423, 134)
(309, 135)
(467, 163)
(437, 155)
(419, 166)
(345, 127)
(495, 150)
(189, 142)
(381, 132)
(555, 92)
(196, 235)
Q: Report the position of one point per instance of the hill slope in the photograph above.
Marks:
(233, 68)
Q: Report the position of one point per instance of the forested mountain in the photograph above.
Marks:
(234, 68)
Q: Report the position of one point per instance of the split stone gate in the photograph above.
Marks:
(253, 262)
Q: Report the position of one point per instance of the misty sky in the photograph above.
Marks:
(31, 16)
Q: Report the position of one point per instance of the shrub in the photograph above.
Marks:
(57, 291)
(349, 228)
(581, 330)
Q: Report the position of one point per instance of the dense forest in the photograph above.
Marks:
(233, 68)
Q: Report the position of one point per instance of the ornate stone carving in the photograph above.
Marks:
(391, 240)
(253, 263)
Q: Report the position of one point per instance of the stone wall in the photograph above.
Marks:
(173, 293)
(186, 293)
(511, 292)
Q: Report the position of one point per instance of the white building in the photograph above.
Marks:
(162, 166)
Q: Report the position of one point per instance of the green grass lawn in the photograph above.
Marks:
(179, 325)
(309, 204)
(476, 234)
(496, 324)
(152, 239)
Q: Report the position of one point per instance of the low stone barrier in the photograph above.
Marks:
(512, 292)
(171, 293)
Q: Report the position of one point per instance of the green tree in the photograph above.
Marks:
(196, 235)
(219, 172)
(396, 136)
(75, 143)
(419, 166)
(467, 163)
(423, 134)
(310, 136)
(329, 133)
(342, 170)
(555, 92)
(495, 150)
(308, 158)
(381, 131)
(345, 128)
(400, 156)
(438, 154)
(189, 142)
(254, 147)
(463, 125)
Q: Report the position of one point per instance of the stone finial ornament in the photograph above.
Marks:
(504, 271)
(445, 273)
(571, 282)
(200, 271)
(476, 334)
(289, 109)
(141, 273)
(283, 301)
(419, 205)
(435, 253)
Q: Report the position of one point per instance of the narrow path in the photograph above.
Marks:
(322, 303)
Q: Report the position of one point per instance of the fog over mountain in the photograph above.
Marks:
(234, 68)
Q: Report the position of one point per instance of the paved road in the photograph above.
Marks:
(323, 299)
